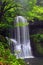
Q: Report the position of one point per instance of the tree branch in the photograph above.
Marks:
(10, 8)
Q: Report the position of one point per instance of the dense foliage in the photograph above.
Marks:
(32, 9)
(37, 40)
(6, 58)
(9, 9)
(36, 12)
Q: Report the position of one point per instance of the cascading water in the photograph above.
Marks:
(22, 37)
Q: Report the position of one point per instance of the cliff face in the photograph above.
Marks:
(36, 27)
(36, 38)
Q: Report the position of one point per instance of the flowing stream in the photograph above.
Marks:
(22, 41)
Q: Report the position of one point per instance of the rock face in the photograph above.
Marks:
(34, 61)
(36, 28)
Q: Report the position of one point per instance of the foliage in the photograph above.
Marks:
(8, 11)
(4, 42)
(38, 42)
(37, 12)
(9, 59)
(33, 10)
(40, 49)
(20, 24)
(1, 49)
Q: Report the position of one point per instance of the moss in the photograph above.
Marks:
(4, 42)
(37, 40)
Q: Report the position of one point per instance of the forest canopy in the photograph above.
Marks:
(9, 9)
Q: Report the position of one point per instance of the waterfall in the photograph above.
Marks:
(22, 46)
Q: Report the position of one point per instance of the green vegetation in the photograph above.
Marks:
(20, 24)
(9, 9)
(33, 10)
(38, 42)
(4, 42)
(7, 58)
(37, 12)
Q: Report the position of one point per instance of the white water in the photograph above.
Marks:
(22, 46)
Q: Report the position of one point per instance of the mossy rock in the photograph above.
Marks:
(4, 41)
(37, 40)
